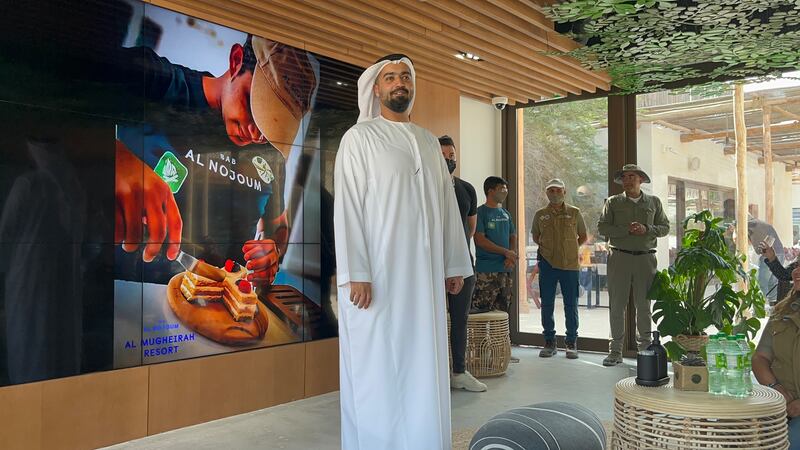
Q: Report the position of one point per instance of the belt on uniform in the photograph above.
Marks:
(632, 252)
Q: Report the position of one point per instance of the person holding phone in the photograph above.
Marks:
(776, 267)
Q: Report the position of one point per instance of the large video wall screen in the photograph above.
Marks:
(165, 188)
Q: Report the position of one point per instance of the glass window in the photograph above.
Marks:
(686, 143)
(568, 141)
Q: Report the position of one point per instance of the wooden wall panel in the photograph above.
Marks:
(322, 367)
(106, 408)
(437, 108)
(95, 410)
(189, 392)
(20, 417)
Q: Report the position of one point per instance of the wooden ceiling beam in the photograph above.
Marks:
(775, 147)
(492, 70)
(423, 7)
(485, 8)
(540, 4)
(534, 4)
(784, 158)
(332, 25)
(499, 83)
(752, 131)
(508, 11)
(228, 19)
(358, 28)
(524, 12)
(510, 58)
(365, 58)
(521, 17)
(786, 113)
(430, 71)
(261, 26)
(488, 26)
(700, 109)
(465, 36)
(458, 41)
(494, 56)
(730, 150)
(414, 22)
(537, 18)
(431, 68)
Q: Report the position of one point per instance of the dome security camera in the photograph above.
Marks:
(499, 102)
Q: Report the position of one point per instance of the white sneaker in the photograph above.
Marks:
(466, 381)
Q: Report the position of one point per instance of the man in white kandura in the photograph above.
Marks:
(399, 245)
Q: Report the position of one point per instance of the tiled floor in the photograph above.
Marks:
(314, 423)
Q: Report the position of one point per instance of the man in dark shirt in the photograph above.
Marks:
(459, 304)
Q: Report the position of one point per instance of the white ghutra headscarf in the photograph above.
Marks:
(369, 105)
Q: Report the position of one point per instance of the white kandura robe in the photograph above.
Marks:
(397, 226)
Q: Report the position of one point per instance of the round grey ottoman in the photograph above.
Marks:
(549, 425)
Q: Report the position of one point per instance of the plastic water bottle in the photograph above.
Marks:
(747, 361)
(715, 361)
(734, 380)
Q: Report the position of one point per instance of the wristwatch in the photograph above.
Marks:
(772, 385)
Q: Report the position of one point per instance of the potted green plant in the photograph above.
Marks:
(700, 290)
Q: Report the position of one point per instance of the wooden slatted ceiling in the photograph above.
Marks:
(510, 36)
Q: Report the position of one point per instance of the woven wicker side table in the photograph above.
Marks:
(666, 418)
(488, 344)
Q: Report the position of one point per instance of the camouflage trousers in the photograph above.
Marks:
(493, 290)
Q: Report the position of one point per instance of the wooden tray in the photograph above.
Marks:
(296, 310)
(214, 321)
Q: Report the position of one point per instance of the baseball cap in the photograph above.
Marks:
(283, 87)
(555, 182)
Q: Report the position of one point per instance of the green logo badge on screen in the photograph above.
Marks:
(263, 169)
(172, 171)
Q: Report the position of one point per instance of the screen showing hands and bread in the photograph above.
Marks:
(134, 135)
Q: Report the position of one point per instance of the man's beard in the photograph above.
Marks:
(397, 104)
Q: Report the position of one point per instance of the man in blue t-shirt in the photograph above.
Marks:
(495, 241)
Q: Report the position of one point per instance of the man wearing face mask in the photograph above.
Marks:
(459, 304)
(495, 241)
(559, 230)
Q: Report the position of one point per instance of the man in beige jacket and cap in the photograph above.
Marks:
(559, 230)
(631, 222)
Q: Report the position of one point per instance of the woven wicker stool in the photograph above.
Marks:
(488, 344)
(666, 418)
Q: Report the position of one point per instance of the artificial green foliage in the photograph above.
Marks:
(699, 289)
(645, 44)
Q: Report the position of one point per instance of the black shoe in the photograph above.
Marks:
(548, 350)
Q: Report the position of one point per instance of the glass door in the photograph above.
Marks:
(568, 141)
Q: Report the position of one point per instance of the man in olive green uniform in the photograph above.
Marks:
(631, 222)
(559, 230)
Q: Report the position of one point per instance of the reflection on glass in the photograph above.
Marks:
(686, 141)
(568, 141)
